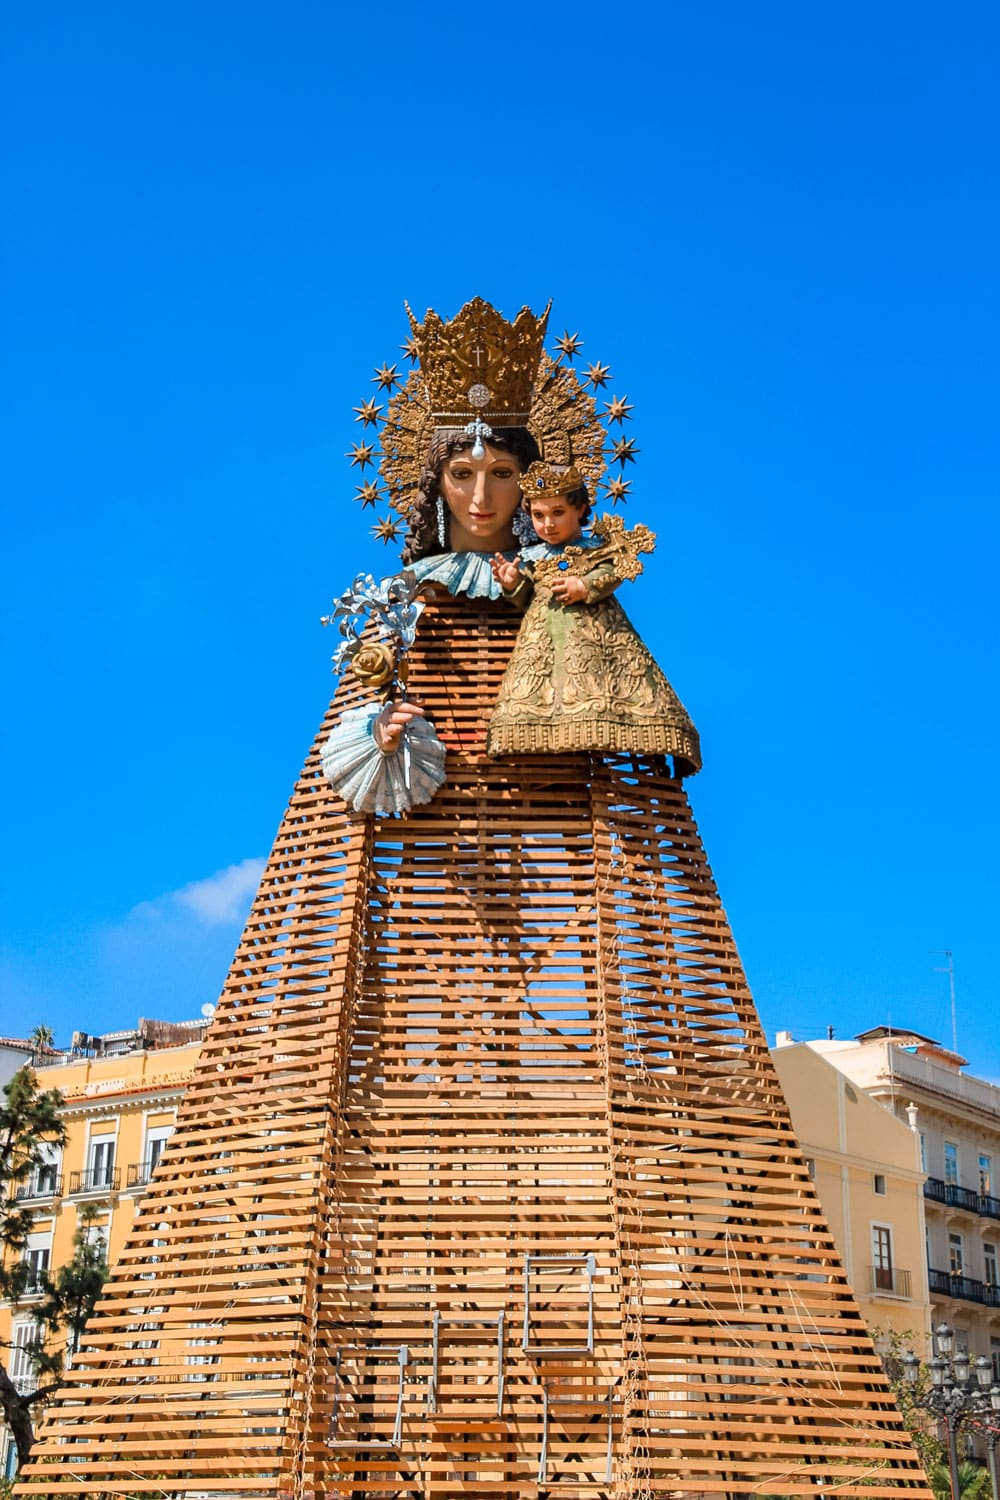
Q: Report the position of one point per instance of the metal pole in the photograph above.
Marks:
(991, 1448)
(950, 971)
(953, 1421)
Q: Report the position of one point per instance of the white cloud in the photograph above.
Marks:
(224, 896)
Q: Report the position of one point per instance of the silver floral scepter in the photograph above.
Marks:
(393, 608)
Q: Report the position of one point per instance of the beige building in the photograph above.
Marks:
(957, 1119)
(119, 1110)
(866, 1166)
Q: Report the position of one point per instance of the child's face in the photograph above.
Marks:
(555, 520)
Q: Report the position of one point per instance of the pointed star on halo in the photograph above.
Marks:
(368, 493)
(570, 344)
(360, 455)
(385, 377)
(625, 450)
(410, 350)
(618, 490)
(368, 412)
(620, 409)
(386, 530)
(598, 374)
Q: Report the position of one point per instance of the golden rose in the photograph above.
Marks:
(374, 665)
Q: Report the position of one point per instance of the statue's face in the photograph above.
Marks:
(482, 495)
(555, 520)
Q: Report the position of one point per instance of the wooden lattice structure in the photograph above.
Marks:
(484, 1184)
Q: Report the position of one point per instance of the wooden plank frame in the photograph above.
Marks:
(510, 1024)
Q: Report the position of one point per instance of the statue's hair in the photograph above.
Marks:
(422, 537)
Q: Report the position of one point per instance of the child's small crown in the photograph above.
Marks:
(544, 481)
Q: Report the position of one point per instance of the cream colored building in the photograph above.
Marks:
(119, 1110)
(957, 1118)
(866, 1166)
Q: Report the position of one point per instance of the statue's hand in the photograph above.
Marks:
(570, 590)
(506, 571)
(387, 730)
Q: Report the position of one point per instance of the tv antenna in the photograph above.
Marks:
(949, 969)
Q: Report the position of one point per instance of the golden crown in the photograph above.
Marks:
(479, 365)
(543, 481)
(476, 370)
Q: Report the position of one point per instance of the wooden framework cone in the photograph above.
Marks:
(484, 1184)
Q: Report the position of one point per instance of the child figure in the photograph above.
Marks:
(579, 677)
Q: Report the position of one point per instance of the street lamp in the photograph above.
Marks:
(959, 1391)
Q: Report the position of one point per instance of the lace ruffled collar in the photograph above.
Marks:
(461, 572)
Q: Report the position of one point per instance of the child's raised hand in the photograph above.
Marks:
(569, 589)
(506, 571)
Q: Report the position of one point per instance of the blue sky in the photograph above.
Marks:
(777, 223)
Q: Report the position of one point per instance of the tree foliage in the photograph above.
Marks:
(29, 1122)
(973, 1480)
(69, 1296)
(29, 1126)
(909, 1396)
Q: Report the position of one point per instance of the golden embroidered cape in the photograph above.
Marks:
(580, 678)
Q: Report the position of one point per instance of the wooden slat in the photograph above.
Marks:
(511, 1023)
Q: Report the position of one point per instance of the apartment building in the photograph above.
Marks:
(120, 1093)
(957, 1120)
(866, 1165)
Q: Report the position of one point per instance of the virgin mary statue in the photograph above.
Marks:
(484, 1185)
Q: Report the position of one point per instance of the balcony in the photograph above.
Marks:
(140, 1173)
(948, 1284)
(888, 1281)
(954, 1196)
(96, 1180)
(47, 1185)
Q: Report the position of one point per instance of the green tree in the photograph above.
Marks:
(973, 1480)
(909, 1395)
(41, 1040)
(69, 1297)
(29, 1123)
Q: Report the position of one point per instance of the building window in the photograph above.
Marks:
(951, 1162)
(37, 1257)
(882, 1257)
(102, 1162)
(995, 1359)
(985, 1175)
(46, 1177)
(156, 1138)
(24, 1342)
(923, 1152)
(990, 1264)
(956, 1255)
(878, 1182)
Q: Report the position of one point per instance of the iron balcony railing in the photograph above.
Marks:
(96, 1180)
(48, 1186)
(954, 1196)
(890, 1280)
(948, 1284)
(139, 1173)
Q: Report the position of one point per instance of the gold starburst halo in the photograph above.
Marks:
(386, 530)
(479, 364)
